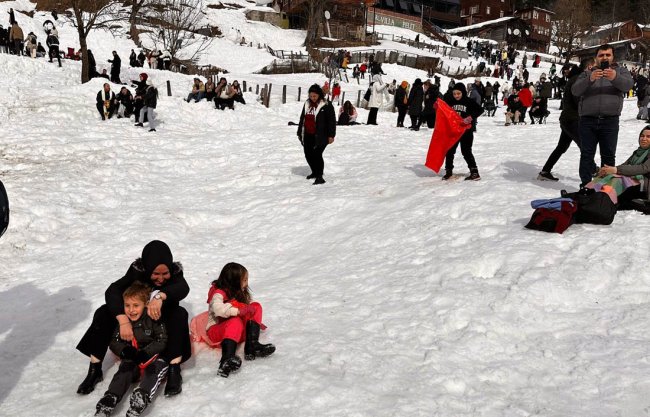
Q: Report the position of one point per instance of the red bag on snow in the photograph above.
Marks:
(551, 220)
(447, 131)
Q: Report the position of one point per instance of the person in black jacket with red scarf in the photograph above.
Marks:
(316, 130)
(157, 269)
(469, 111)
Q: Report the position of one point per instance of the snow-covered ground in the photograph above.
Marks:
(386, 291)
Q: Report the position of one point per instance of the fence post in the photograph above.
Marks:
(268, 95)
(257, 89)
(169, 88)
(342, 98)
(359, 99)
(299, 92)
(244, 84)
(284, 94)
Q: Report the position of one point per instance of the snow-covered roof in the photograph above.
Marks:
(609, 26)
(479, 25)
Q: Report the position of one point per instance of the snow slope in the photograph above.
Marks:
(386, 290)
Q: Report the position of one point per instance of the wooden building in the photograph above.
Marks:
(540, 21)
(347, 17)
(479, 11)
(441, 13)
(511, 30)
(629, 40)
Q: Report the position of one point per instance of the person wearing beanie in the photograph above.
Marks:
(157, 269)
(401, 102)
(316, 130)
(138, 99)
(467, 109)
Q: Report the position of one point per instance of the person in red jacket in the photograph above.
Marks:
(233, 317)
(526, 99)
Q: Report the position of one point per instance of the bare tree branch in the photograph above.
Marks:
(180, 24)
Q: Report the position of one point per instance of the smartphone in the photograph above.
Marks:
(604, 65)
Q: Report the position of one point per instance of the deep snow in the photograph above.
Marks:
(386, 291)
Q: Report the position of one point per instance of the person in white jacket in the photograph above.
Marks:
(376, 98)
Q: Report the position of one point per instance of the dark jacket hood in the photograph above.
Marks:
(460, 87)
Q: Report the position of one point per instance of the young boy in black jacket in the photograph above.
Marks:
(469, 111)
(149, 339)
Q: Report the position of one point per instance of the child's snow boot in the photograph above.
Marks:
(106, 405)
(253, 348)
(448, 174)
(139, 401)
(174, 380)
(229, 361)
(94, 376)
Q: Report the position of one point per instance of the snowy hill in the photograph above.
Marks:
(386, 290)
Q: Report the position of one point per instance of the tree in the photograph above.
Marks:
(85, 16)
(137, 8)
(315, 16)
(573, 18)
(178, 27)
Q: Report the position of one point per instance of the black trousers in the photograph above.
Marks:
(98, 336)
(415, 121)
(401, 115)
(54, 52)
(137, 106)
(314, 154)
(429, 118)
(466, 142)
(569, 134)
(372, 116)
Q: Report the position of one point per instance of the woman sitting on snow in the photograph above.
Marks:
(629, 180)
(347, 114)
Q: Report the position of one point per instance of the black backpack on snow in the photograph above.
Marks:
(4, 209)
(593, 207)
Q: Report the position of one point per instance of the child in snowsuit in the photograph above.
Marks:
(469, 111)
(233, 318)
(149, 339)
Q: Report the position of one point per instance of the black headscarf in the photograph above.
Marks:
(154, 254)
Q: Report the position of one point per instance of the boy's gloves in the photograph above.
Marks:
(246, 311)
(128, 352)
(141, 356)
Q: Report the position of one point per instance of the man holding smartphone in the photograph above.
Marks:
(601, 91)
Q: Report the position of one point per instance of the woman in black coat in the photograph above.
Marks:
(316, 130)
(416, 98)
(157, 269)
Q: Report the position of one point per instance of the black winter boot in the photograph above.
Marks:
(138, 402)
(448, 174)
(174, 384)
(94, 376)
(473, 175)
(229, 361)
(107, 404)
(253, 348)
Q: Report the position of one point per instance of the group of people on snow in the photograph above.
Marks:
(144, 325)
(223, 94)
(125, 104)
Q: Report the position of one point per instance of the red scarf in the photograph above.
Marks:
(310, 119)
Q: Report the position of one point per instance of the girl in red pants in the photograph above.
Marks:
(233, 318)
